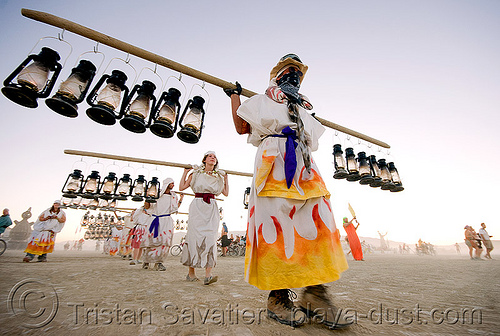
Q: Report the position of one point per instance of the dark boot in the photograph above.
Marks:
(315, 301)
(280, 307)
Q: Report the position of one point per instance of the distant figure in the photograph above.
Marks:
(457, 248)
(353, 239)
(5, 221)
(66, 246)
(485, 237)
(383, 243)
(473, 242)
(224, 240)
(97, 245)
(80, 244)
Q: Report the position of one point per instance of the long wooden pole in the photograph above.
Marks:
(144, 54)
(139, 160)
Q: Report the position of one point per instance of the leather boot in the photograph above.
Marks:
(280, 307)
(316, 304)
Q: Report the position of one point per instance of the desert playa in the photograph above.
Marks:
(89, 293)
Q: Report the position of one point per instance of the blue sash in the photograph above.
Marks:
(290, 157)
(155, 224)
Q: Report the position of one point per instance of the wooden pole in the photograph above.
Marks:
(144, 54)
(139, 160)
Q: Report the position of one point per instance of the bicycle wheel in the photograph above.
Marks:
(175, 250)
(231, 251)
(3, 246)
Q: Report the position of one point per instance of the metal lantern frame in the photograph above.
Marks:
(101, 113)
(130, 121)
(246, 197)
(163, 128)
(65, 105)
(154, 181)
(20, 93)
(138, 197)
(90, 195)
(77, 176)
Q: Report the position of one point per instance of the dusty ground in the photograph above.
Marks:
(414, 288)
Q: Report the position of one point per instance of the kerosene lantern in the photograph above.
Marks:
(106, 106)
(387, 183)
(112, 205)
(153, 190)
(142, 101)
(73, 184)
(191, 122)
(166, 114)
(94, 203)
(246, 197)
(103, 204)
(108, 186)
(85, 219)
(339, 162)
(123, 188)
(65, 202)
(351, 165)
(84, 204)
(395, 178)
(364, 169)
(91, 185)
(138, 189)
(75, 204)
(73, 90)
(375, 170)
(33, 80)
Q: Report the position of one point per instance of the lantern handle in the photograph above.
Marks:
(180, 81)
(58, 39)
(153, 71)
(208, 95)
(81, 160)
(124, 61)
(103, 57)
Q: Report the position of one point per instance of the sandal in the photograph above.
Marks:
(210, 280)
(145, 265)
(188, 278)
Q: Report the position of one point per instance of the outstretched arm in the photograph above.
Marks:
(225, 191)
(241, 125)
(185, 180)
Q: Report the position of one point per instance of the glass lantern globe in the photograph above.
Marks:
(191, 121)
(106, 104)
(33, 80)
(73, 90)
(142, 100)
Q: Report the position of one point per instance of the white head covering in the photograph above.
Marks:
(166, 183)
(57, 201)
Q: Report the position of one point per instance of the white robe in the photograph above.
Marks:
(200, 249)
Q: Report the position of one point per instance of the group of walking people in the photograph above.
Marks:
(475, 241)
(292, 238)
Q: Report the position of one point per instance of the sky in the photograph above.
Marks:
(422, 76)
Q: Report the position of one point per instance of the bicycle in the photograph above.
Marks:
(3, 246)
(176, 249)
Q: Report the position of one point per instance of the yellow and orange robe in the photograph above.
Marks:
(114, 243)
(292, 240)
(43, 236)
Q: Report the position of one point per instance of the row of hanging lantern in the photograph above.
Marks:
(100, 219)
(110, 99)
(366, 169)
(88, 203)
(99, 226)
(111, 188)
(181, 225)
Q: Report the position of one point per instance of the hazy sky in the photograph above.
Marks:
(423, 76)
